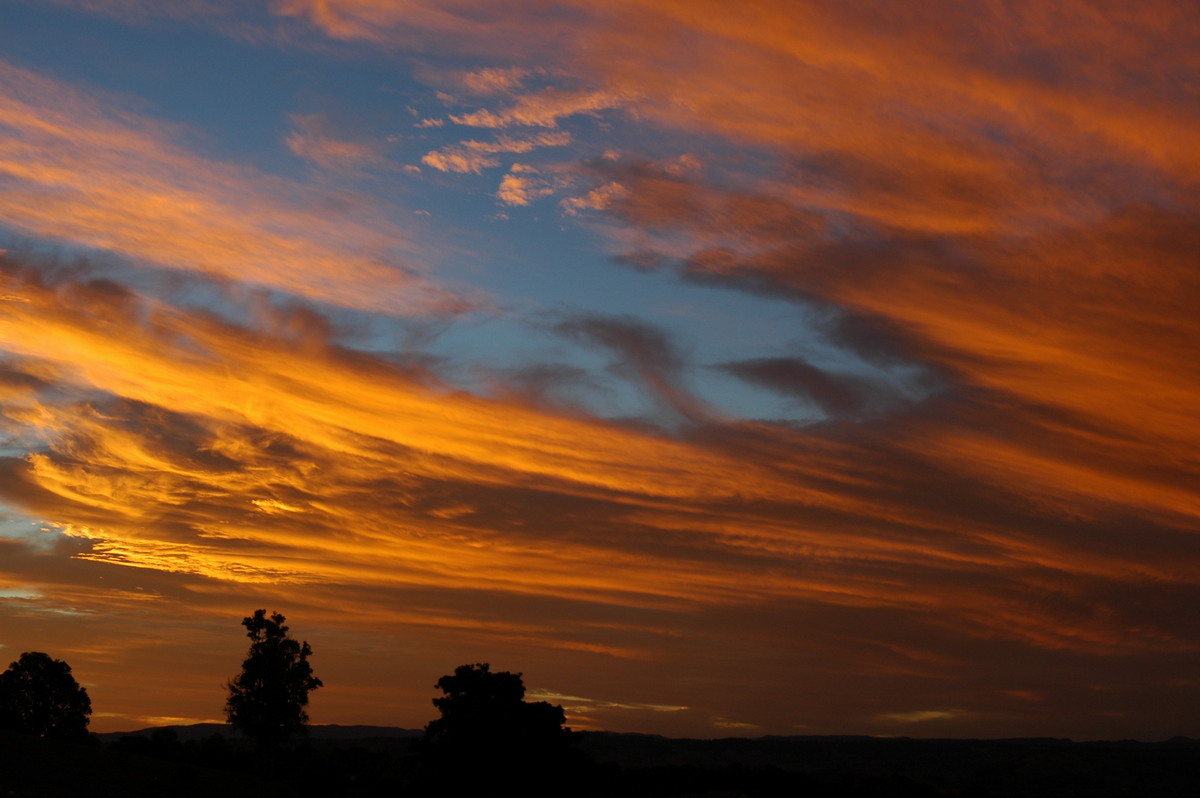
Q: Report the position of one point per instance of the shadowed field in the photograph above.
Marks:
(189, 761)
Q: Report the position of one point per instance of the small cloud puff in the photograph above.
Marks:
(686, 164)
(522, 185)
(495, 80)
(598, 199)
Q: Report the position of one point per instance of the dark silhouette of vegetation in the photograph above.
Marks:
(488, 736)
(634, 766)
(324, 767)
(489, 740)
(480, 708)
(39, 696)
(267, 699)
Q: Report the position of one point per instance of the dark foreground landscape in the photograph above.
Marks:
(206, 760)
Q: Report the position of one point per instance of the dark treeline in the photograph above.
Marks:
(488, 740)
(164, 762)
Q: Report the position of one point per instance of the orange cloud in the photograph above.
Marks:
(475, 156)
(997, 204)
(259, 458)
(598, 199)
(542, 109)
(80, 172)
(502, 27)
(495, 80)
(523, 185)
(314, 142)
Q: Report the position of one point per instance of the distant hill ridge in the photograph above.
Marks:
(334, 731)
(202, 731)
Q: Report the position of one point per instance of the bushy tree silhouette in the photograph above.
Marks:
(267, 699)
(39, 696)
(488, 736)
(485, 708)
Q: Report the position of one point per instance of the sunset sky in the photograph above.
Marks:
(777, 367)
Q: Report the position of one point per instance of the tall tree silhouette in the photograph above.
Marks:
(39, 696)
(267, 699)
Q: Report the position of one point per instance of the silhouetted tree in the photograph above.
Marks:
(482, 707)
(39, 696)
(267, 699)
(489, 736)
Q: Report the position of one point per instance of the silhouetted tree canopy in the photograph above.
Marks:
(267, 699)
(39, 696)
(489, 736)
(482, 707)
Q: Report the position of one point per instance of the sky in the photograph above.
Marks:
(781, 368)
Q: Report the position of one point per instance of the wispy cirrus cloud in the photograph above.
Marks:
(265, 457)
(837, 397)
(996, 204)
(314, 139)
(496, 80)
(542, 109)
(475, 156)
(88, 173)
(644, 351)
(238, 449)
(510, 28)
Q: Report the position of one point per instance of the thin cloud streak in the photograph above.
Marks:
(475, 156)
(81, 172)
